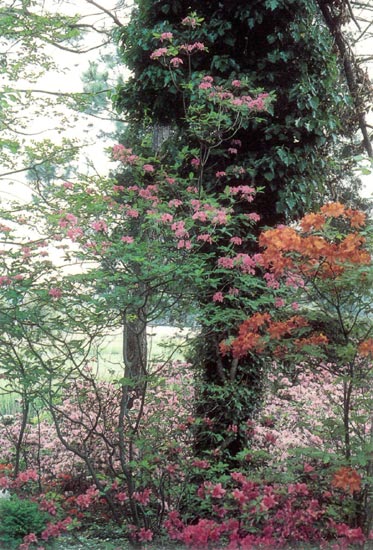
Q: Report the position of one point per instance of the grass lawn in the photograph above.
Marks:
(164, 343)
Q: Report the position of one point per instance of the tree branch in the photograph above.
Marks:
(108, 12)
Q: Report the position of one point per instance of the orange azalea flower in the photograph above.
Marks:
(313, 340)
(281, 238)
(366, 348)
(254, 322)
(245, 343)
(347, 479)
(315, 246)
(315, 221)
(333, 209)
(357, 217)
(279, 329)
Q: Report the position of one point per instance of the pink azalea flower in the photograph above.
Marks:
(56, 293)
(160, 52)
(166, 36)
(145, 535)
(253, 216)
(189, 22)
(99, 225)
(127, 239)
(218, 297)
(132, 213)
(176, 62)
(148, 168)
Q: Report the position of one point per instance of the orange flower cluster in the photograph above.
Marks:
(288, 249)
(348, 479)
(366, 348)
(254, 332)
(314, 340)
(281, 328)
(249, 336)
(356, 218)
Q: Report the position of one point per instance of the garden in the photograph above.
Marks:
(186, 343)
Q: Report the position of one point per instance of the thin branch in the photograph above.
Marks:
(108, 12)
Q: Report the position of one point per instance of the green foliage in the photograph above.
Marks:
(19, 517)
(277, 45)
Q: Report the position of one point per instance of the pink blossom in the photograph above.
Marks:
(121, 497)
(233, 291)
(226, 262)
(189, 22)
(75, 233)
(236, 83)
(56, 293)
(271, 280)
(205, 85)
(166, 36)
(218, 491)
(190, 48)
(295, 306)
(167, 218)
(246, 263)
(279, 302)
(99, 225)
(148, 168)
(132, 213)
(171, 181)
(145, 535)
(267, 503)
(127, 239)
(220, 174)
(118, 188)
(160, 52)
(236, 240)
(220, 217)
(179, 229)
(184, 244)
(218, 297)
(232, 150)
(68, 219)
(68, 185)
(205, 237)
(203, 464)
(143, 497)
(240, 496)
(201, 216)
(175, 203)
(195, 162)
(253, 216)
(176, 62)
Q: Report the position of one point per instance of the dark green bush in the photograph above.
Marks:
(19, 517)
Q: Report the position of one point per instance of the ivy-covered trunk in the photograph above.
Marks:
(281, 46)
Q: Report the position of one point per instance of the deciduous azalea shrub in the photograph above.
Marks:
(326, 262)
